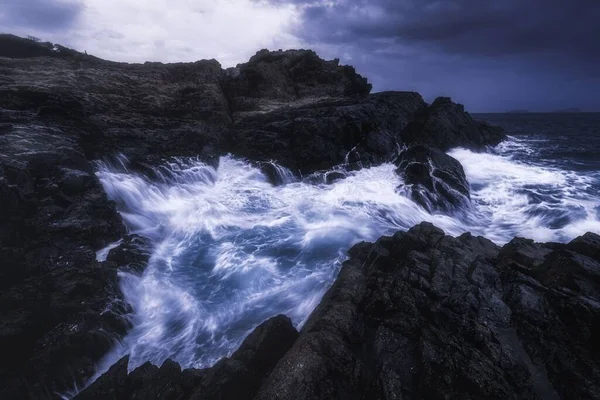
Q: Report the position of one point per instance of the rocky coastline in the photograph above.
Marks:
(416, 315)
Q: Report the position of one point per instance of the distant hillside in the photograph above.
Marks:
(12, 46)
(568, 110)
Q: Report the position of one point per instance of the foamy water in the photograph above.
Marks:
(231, 250)
(517, 199)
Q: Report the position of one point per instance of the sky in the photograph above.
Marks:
(491, 55)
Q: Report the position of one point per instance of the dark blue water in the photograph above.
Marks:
(567, 141)
(231, 250)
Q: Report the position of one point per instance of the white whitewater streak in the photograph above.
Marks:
(284, 175)
(232, 250)
(102, 254)
(517, 199)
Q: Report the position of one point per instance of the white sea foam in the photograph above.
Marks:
(232, 250)
(517, 199)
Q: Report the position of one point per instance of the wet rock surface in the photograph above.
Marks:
(288, 75)
(290, 107)
(236, 377)
(322, 133)
(445, 124)
(61, 309)
(433, 179)
(424, 315)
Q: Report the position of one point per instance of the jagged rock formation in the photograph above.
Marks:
(320, 134)
(271, 76)
(271, 108)
(445, 125)
(237, 377)
(60, 109)
(432, 179)
(61, 310)
(425, 315)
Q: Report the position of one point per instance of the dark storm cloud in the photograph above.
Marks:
(39, 15)
(476, 27)
(476, 50)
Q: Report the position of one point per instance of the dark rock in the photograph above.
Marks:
(139, 110)
(425, 315)
(317, 135)
(238, 377)
(290, 75)
(334, 176)
(523, 254)
(61, 310)
(14, 46)
(74, 181)
(111, 385)
(326, 177)
(132, 254)
(277, 174)
(554, 296)
(490, 135)
(588, 245)
(147, 382)
(485, 248)
(446, 125)
(433, 179)
(290, 107)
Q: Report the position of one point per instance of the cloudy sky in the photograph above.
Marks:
(491, 55)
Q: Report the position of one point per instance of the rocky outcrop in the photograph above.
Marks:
(308, 114)
(445, 125)
(237, 377)
(287, 106)
(61, 309)
(139, 110)
(424, 315)
(432, 179)
(317, 135)
(272, 76)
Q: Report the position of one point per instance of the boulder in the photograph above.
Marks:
(433, 179)
(277, 174)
